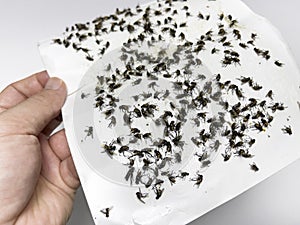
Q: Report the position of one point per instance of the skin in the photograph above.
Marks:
(38, 179)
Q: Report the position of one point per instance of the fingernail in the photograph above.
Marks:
(53, 83)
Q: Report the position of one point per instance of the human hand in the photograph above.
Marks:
(38, 179)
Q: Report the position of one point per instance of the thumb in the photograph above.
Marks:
(32, 115)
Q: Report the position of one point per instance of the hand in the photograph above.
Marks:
(38, 179)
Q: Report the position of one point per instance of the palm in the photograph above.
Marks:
(40, 180)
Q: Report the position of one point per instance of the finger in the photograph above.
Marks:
(69, 174)
(21, 90)
(32, 115)
(58, 144)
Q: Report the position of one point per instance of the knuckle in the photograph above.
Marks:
(32, 140)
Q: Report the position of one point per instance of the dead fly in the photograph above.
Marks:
(238, 144)
(123, 149)
(266, 55)
(158, 155)
(129, 175)
(253, 36)
(140, 196)
(222, 32)
(89, 58)
(186, 8)
(158, 191)
(245, 80)
(167, 75)
(239, 93)
(89, 132)
(244, 153)
(172, 179)
(216, 145)
(112, 122)
(106, 211)
(108, 68)
(258, 114)
(200, 16)
(270, 94)
(277, 106)
(253, 102)
(214, 51)
(226, 156)
(153, 85)
(182, 36)
(84, 95)
(235, 61)
(251, 42)
(66, 43)
(107, 44)
(187, 14)
(256, 87)
(182, 175)
(108, 113)
(99, 102)
(110, 149)
(146, 135)
(198, 180)
(221, 16)
(251, 142)
(202, 157)
(243, 45)
(148, 110)
(175, 12)
(57, 41)
(226, 132)
(279, 64)
(254, 167)
(166, 115)
(182, 25)
(264, 123)
(114, 86)
(258, 127)
(135, 130)
(136, 97)
(237, 34)
(137, 113)
(233, 23)
(270, 119)
(287, 130)
(234, 54)
(137, 82)
(262, 104)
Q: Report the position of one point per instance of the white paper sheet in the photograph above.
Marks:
(182, 202)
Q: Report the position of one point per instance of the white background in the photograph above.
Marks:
(275, 201)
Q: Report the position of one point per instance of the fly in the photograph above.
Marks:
(270, 94)
(106, 211)
(198, 179)
(89, 132)
(287, 130)
(140, 196)
(254, 167)
(279, 64)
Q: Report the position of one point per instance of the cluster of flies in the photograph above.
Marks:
(247, 114)
(162, 151)
(157, 24)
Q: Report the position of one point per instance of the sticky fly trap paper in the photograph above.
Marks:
(175, 107)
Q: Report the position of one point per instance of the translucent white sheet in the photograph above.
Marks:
(103, 176)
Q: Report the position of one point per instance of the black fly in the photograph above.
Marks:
(106, 211)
